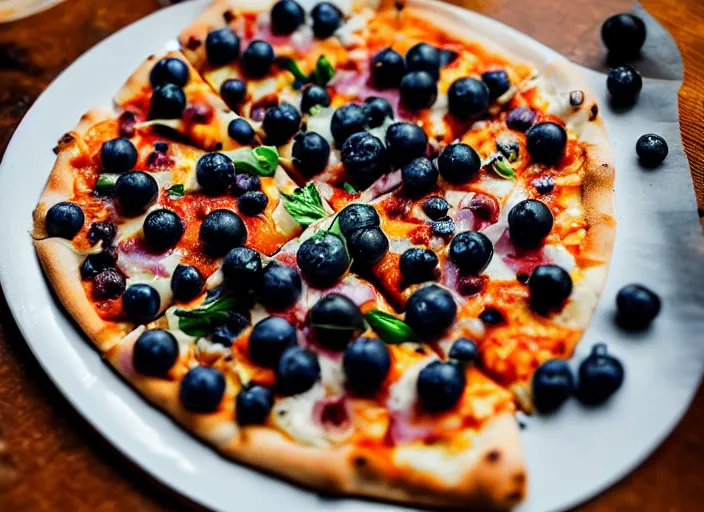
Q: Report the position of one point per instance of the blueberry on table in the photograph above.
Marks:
(468, 98)
(297, 371)
(64, 220)
(600, 376)
(553, 384)
(471, 251)
(280, 123)
(424, 57)
(280, 286)
(102, 231)
(419, 177)
(310, 153)
(464, 350)
(155, 352)
(637, 306)
(222, 46)
(651, 149)
(405, 142)
(202, 389)
(135, 191)
(221, 231)
(109, 284)
(440, 386)
(377, 110)
(366, 363)
(168, 102)
(314, 95)
(169, 70)
(623, 35)
(365, 159)
(497, 82)
(186, 283)
(268, 340)
(418, 90)
(357, 216)
(388, 68)
(346, 121)
(242, 268)
(257, 59)
(326, 19)
(141, 303)
(246, 183)
(233, 91)
(529, 222)
(367, 245)
(254, 402)
(118, 155)
(624, 84)
(458, 163)
(430, 311)
(550, 286)
(435, 207)
(335, 320)
(252, 203)
(546, 142)
(520, 119)
(215, 172)
(162, 229)
(286, 16)
(241, 131)
(323, 259)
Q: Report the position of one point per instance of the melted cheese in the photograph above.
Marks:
(332, 375)
(403, 393)
(294, 416)
(320, 123)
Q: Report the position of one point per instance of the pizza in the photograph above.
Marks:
(337, 244)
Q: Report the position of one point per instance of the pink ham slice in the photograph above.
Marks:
(521, 261)
(134, 257)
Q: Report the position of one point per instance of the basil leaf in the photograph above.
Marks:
(268, 159)
(508, 148)
(261, 161)
(106, 183)
(304, 205)
(390, 329)
(349, 188)
(323, 72)
(503, 168)
(176, 190)
(334, 229)
(203, 319)
(291, 66)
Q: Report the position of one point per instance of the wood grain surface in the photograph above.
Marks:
(52, 460)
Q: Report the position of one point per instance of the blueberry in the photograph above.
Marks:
(435, 207)
(458, 163)
(155, 352)
(497, 82)
(257, 58)
(233, 92)
(424, 57)
(471, 251)
(286, 16)
(202, 389)
(492, 316)
(221, 231)
(623, 34)
(314, 95)
(169, 71)
(520, 119)
(365, 159)
(326, 19)
(162, 229)
(241, 131)
(222, 46)
(141, 303)
(377, 110)
(96, 263)
(366, 363)
(651, 149)
(418, 90)
(418, 265)
(246, 183)
(135, 191)
(405, 142)
(234, 323)
(242, 268)
(109, 284)
(335, 320)
(464, 350)
(168, 102)
(215, 172)
(102, 232)
(310, 153)
(388, 68)
(252, 203)
(637, 306)
(600, 376)
(297, 371)
(268, 340)
(64, 220)
(468, 98)
(281, 123)
(253, 403)
(186, 283)
(161, 147)
(440, 386)
(430, 310)
(280, 286)
(546, 142)
(550, 286)
(367, 245)
(624, 84)
(419, 177)
(553, 383)
(529, 222)
(357, 216)
(543, 184)
(323, 259)
(118, 155)
(443, 227)
(346, 121)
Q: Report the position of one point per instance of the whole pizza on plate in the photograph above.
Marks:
(337, 245)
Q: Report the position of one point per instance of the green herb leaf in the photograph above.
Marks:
(323, 72)
(106, 183)
(508, 148)
(304, 205)
(390, 329)
(261, 161)
(176, 190)
(349, 188)
(267, 159)
(202, 320)
(291, 66)
(334, 229)
(315, 110)
(503, 168)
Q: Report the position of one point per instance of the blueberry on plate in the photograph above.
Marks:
(651, 149)
(419, 177)
(600, 376)
(388, 68)
(365, 159)
(418, 90)
(314, 95)
(553, 384)
(323, 259)
(202, 389)
(497, 82)
(405, 142)
(550, 286)
(280, 286)
(257, 59)
(637, 306)
(222, 46)
(286, 16)
(186, 283)
(141, 303)
(242, 268)
(268, 340)
(357, 216)
(310, 153)
(155, 352)
(624, 84)
(377, 110)
(464, 350)
(109, 284)
(221, 231)
(335, 320)
(623, 35)
(366, 363)
(529, 222)
(118, 155)
(346, 121)
(520, 119)
(64, 220)
(468, 98)
(435, 207)
(418, 265)
(297, 371)
(367, 245)
(326, 19)
(233, 91)
(458, 163)
(424, 57)
(430, 311)
(252, 203)
(169, 70)
(254, 402)
(168, 102)
(546, 142)
(246, 183)
(135, 191)
(440, 386)
(215, 172)
(162, 229)
(241, 131)
(471, 251)
(280, 123)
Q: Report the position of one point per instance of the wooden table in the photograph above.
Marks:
(51, 459)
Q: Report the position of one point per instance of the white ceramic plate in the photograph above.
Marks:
(571, 456)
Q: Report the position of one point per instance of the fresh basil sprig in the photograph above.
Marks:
(106, 183)
(321, 75)
(390, 329)
(176, 190)
(349, 188)
(202, 320)
(261, 160)
(304, 205)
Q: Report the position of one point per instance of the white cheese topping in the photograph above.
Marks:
(320, 123)
(498, 270)
(332, 375)
(560, 256)
(294, 415)
(403, 393)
